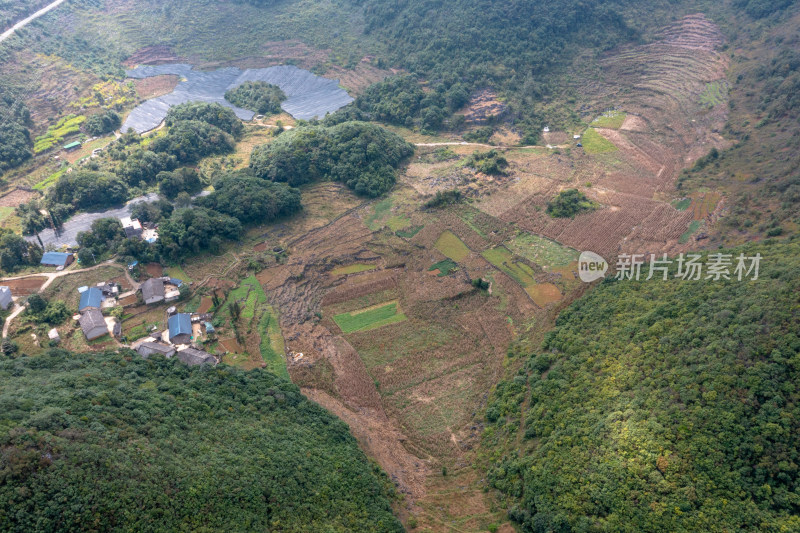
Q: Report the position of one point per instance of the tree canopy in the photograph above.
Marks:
(220, 116)
(259, 96)
(86, 189)
(661, 406)
(251, 200)
(111, 441)
(362, 156)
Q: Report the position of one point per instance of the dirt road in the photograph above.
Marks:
(24, 22)
(50, 277)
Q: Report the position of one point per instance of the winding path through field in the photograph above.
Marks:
(50, 277)
(24, 22)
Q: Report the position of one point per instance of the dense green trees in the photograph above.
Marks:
(191, 140)
(110, 441)
(219, 116)
(192, 230)
(661, 406)
(85, 189)
(400, 100)
(142, 166)
(15, 139)
(251, 200)
(362, 156)
(569, 203)
(16, 252)
(187, 180)
(105, 236)
(102, 123)
(259, 96)
(491, 162)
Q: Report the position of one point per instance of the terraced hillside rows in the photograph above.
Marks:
(668, 124)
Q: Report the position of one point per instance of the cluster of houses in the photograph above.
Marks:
(93, 299)
(177, 339)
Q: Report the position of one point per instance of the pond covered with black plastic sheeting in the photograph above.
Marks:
(308, 95)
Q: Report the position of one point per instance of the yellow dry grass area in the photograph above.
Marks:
(352, 269)
(254, 137)
(543, 293)
(451, 246)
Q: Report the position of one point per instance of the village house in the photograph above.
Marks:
(5, 298)
(180, 328)
(194, 357)
(146, 349)
(93, 324)
(60, 260)
(131, 226)
(153, 291)
(91, 298)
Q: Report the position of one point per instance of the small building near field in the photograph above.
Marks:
(153, 291)
(5, 298)
(71, 147)
(132, 227)
(194, 357)
(91, 298)
(146, 349)
(93, 324)
(53, 335)
(57, 259)
(180, 328)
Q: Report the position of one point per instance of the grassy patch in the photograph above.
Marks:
(68, 125)
(541, 251)
(713, 94)
(271, 346)
(51, 179)
(370, 318)
(178, 273)
(379, 212)
(444, 267)
(352, 269)
(6, 212)
(612, 119)
(693, 226)
(682, 204)
(451, 246)
(398, 223)
(409, 232)
(594, 143)
(502, 258)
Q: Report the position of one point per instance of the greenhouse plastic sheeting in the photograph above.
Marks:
(308, 96)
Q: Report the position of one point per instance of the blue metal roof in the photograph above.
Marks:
(175, 281)
(92, 297)
(209, 327)
(55, 258)
(180, 324)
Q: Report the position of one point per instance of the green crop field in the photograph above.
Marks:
(693, 226)
(594, 143)
(66, 126)
(503, 259)
(370, 318)
(272, 347)
(543, 252)
(352, 269)
(445, 267)
(714, 94)
(451, 246)
(613, 120)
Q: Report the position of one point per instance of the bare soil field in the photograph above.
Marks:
(24, 287)
(17, 197)
(156, 86)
